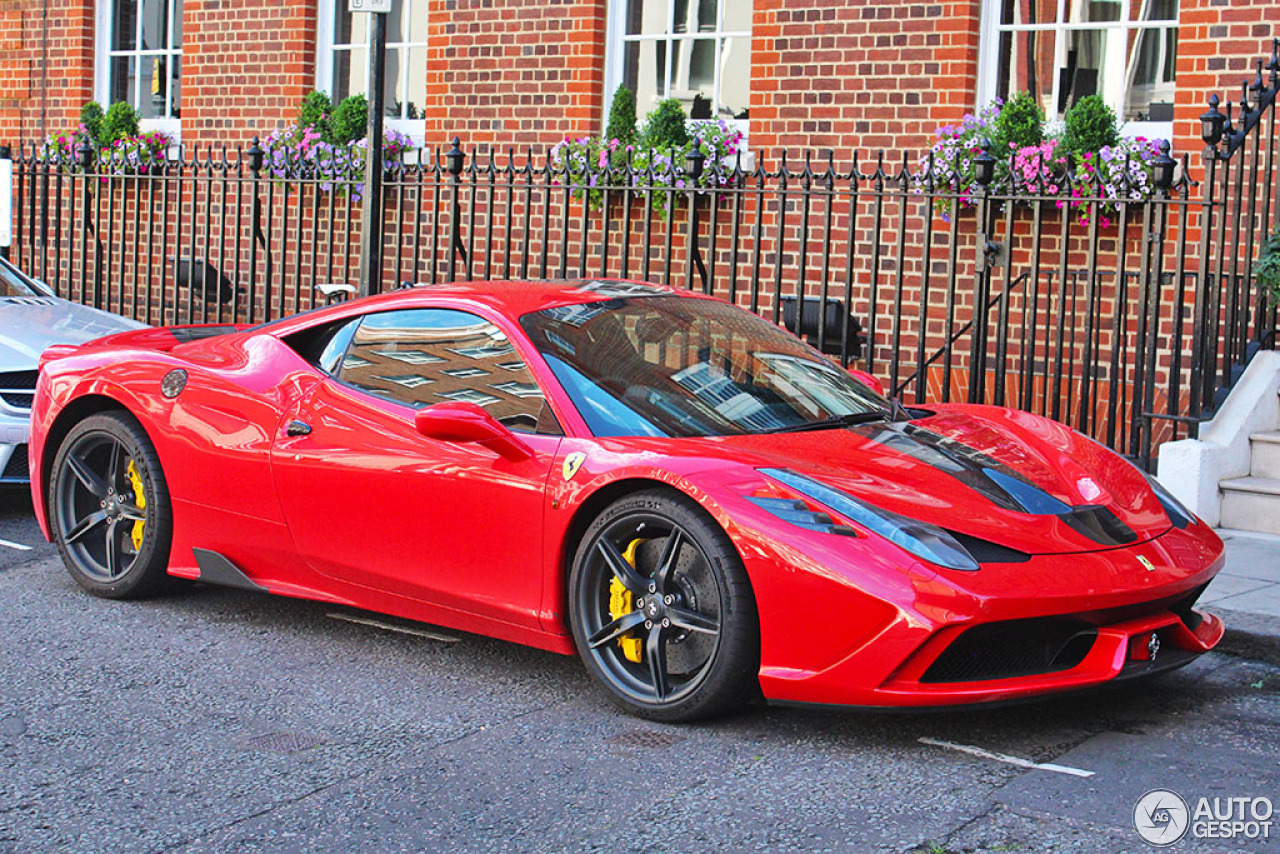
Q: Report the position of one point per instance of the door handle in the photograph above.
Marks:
(297, 428)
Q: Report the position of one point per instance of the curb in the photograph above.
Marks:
(1255, 636)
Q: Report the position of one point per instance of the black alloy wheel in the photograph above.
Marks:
(662, 611)
(109, 508)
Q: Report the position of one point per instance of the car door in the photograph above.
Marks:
(373, 502)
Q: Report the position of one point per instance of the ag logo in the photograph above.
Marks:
(1148, 564)
(572, 463)
(1161, 817)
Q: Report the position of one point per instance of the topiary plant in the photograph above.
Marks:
(120, 122)
(91, 116)
(1020, 124)
(350, 120)
(1268, 270)
(1090, 126)
(622, 117)
(315, 113)
(665, 127)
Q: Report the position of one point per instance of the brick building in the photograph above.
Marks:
(800, 74)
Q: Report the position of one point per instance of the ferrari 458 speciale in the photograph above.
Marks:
(697, 503)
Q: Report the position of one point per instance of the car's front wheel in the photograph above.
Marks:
(662, 611)
(109, 508)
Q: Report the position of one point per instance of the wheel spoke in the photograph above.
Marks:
(655, 650)
(693, 621)
(86, 476)
(113, 549)
(667, 563)
(85, 525)
(616, 629)
(132, 512)
(626, 572)
(113, 468)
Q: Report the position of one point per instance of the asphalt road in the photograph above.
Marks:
(219, 720)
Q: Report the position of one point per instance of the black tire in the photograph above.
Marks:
(691, 619)
(94, 511)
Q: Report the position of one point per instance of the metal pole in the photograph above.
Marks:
(371, 211)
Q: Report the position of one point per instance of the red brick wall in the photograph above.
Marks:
(860, 76)
(246, 66)
(519, 72)
(68, 78)
(1219, 44)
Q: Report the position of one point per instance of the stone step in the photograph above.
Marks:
(1264, 455)
(1251, 504)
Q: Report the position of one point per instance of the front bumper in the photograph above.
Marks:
(15, 431)
(1008, 632)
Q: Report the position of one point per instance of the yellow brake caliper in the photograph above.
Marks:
(620, 605)
(140, 499)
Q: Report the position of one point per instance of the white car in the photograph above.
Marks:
(32, 318)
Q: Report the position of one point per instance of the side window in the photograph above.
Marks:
(429, 355)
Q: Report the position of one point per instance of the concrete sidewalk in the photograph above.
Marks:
(1246, 594)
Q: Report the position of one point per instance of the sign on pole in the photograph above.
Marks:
(383, 6)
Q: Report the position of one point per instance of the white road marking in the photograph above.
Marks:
(1006, 758)
(404, 630)
(19, 546)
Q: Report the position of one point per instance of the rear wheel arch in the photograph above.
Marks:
(71, 415)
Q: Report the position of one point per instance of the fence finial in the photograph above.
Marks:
(1163, 167)
(85, 153)
(695, 160)
(984, 165)
(455, 158)
(1211, 123)
(255, 157)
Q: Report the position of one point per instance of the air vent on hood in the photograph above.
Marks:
(30, 300)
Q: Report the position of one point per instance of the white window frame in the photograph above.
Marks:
(615, 59)
(103, 20)
(989, 59)
(326, 11)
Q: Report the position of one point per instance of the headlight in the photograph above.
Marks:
(921, 539)
(1178, 514)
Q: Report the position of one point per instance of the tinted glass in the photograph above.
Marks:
(674, 366)
(423, 356)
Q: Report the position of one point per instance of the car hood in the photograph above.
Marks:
(1008, 477)
(30, 324)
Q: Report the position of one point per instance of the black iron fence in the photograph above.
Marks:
(1124, 312)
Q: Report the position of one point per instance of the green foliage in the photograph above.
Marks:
(622, 117)
(91, 117)
(1090, 126)
(1020, 124)
(120, 122)
(665, 127)
(1268, 269)
(350, 120)
(315, 112)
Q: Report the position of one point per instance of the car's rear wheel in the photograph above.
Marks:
(662, 611)
(109, 508)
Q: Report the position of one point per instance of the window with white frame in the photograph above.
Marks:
(1062, 50)
(142, 65)
(342, 60)
(696, 51)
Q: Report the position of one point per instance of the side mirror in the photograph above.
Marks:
(468, 423)
(867, 380)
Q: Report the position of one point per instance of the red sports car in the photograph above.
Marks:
(695, 502)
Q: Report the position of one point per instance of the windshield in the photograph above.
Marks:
(674, 366)
(15, 284)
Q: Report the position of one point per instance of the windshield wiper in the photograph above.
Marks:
(828, 423)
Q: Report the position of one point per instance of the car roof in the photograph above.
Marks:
(512, 298)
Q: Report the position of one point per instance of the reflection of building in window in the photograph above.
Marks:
(343, 62)
(425, 356)
(697, 51)
(144, 63)
(1063, 50)
(710, 385)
